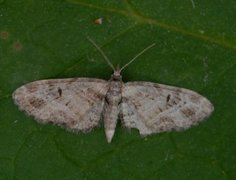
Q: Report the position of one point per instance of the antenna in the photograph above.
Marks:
(109, 62)
(139, 54)
(102, 53)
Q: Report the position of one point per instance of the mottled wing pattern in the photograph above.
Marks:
(74, 103)
(153, 108)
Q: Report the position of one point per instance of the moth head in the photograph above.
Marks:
(117, 74)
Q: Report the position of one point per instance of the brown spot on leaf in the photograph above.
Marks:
(17, 46)
(4, 35)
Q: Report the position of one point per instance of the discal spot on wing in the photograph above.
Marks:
(59, 91)
(168, 98)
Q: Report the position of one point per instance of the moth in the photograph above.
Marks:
(79, 104)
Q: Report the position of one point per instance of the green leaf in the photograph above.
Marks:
(195, 49)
